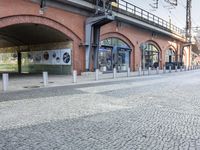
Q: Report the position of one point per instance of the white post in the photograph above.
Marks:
(45, 78)
(128, 72)
(97, 74)
(175, 68)
(114, 73)
(164, 69)
(74, 76)
(149, 69)
(140, 71)
(5, 81)
(170, 69)
(157, 70)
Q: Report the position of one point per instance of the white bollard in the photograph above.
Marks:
(164, 69)
(45, 78)
(97, 74)
(114, 73)
(170, 69)
(74, 76)
(157, 70)
(128, 72)
(140, 71)
(176, 68)
(149, 70)
(5, 81)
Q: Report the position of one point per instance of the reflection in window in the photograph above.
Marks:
(114, 42)
(114, 53)
(170, 56)
(151, 56)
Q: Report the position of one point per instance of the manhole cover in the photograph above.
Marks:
(31, 87)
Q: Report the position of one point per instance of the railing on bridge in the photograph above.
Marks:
(144, 15)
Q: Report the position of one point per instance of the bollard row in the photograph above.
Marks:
(5, 76)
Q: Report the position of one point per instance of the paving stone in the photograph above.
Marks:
(160, 114)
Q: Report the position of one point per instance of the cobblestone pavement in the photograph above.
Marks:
(157, 112)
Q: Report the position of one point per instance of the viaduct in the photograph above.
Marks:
(83, 27)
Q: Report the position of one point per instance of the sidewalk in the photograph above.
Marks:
(27, 82)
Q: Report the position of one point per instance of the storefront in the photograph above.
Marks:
(171, 59)
(150, 56)
(170, 56)
(114, 54)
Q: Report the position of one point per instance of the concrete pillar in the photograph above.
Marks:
(74, 76)
(5, 81)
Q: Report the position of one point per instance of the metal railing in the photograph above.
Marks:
(145, 16)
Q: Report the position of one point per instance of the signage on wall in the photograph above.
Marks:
(66, 57)
(50, 57)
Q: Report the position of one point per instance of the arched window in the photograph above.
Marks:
(114, 53)
(170, 56)
(114, 42)
(150, 56)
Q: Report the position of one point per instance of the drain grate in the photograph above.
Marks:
(48, 82)
(31, 87)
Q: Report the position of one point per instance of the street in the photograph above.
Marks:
(160, 112)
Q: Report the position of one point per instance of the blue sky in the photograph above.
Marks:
(177, 14)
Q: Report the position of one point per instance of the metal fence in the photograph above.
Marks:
(141, 14)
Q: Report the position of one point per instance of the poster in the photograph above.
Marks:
(56, 57)
(65, 56)
(48, 57)
(37, 57)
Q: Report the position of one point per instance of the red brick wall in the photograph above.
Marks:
(71, 24)
(23, 11)
(134, 36)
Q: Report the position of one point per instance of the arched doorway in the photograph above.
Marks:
(36, 44)
(114, 53)
(150, 55)
(171, 58)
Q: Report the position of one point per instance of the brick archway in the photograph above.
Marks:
(124, 39)
(171, 47)
(32, 19)
(155, 44)
(20, 19)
